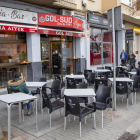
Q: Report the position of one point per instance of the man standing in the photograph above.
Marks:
(132, 59)
(124, 57)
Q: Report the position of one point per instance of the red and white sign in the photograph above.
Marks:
(60, 32)
(18, 28)
(78, 24)
(20, 16)
(54, 20)
(59, 21)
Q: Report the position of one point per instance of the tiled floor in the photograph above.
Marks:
(122, 119)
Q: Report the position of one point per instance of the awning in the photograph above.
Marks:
(18, 28)
(51, 31)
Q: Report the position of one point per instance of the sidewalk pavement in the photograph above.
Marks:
(125, 123)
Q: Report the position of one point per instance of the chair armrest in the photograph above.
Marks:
(52, 94)
(91, 104)
(108, 99)
(47, 87)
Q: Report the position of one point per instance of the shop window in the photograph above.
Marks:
(95, 53)
(11, 46)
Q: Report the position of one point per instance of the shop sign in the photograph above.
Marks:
(20, 16)
(95, 19)
(136, 30)
(18, 28)
(129, 34)
(78, 24)
(60, 32)
(59, 21)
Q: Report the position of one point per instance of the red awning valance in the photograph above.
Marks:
(18, 28)
(60, 32)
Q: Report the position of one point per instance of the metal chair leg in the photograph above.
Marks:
(42, 114)
(60, 112)
(50, 120)
(132, 98)
(102, 119)
(135, 97)
(127, 102)
(85, 119)
(69, 117)
(64, 123)
(80, 129)
(74, 118)
(94, 121)
(23, 115)
(111, 114)
(122, 98)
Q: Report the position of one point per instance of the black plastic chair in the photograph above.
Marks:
(108, 74)
(73, 107)
(108, 67)
(120, 75)
(86, 72)
(55, 89)
(133, 70)
(57, 77)
(71, 83)
(100, 74)
(136, 84)
(83, 99)
(37, 91)
(117, 71)
(52, 106)
(91, 78)
(100, 82)
(79, 80)
(122, 89)
(103, 100)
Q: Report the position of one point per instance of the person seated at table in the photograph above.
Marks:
(138, 69)
(19, 83)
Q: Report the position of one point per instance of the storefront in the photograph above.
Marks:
(98, 37)
(100, 42)
(14, 24)
(57, 34)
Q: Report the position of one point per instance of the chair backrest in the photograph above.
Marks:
(126, 74)
(121, 87)
(98, 68)
(100, 82)
(120, 75)
(82, 85)
(72, 106)
(42, 79)
(92, 76)
(8, 88)
(56, 85)
(108, 67)
(133, 70)
(109, 74)
(57, 77)
(14, 90)
(46, 100)
(117, 70)
(71, 83)
(103, 93)
(136, 81)
(79, 72)
(86, 72)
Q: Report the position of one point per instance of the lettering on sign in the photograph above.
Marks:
(18, 29)
(15, 15)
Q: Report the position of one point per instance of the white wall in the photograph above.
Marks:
(33, 47)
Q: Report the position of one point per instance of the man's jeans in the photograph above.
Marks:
(29, 104)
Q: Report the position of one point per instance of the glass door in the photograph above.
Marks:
(56, 57)
(107, 53)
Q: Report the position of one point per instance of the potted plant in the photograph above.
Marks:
(22, 56)
(9, 57)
